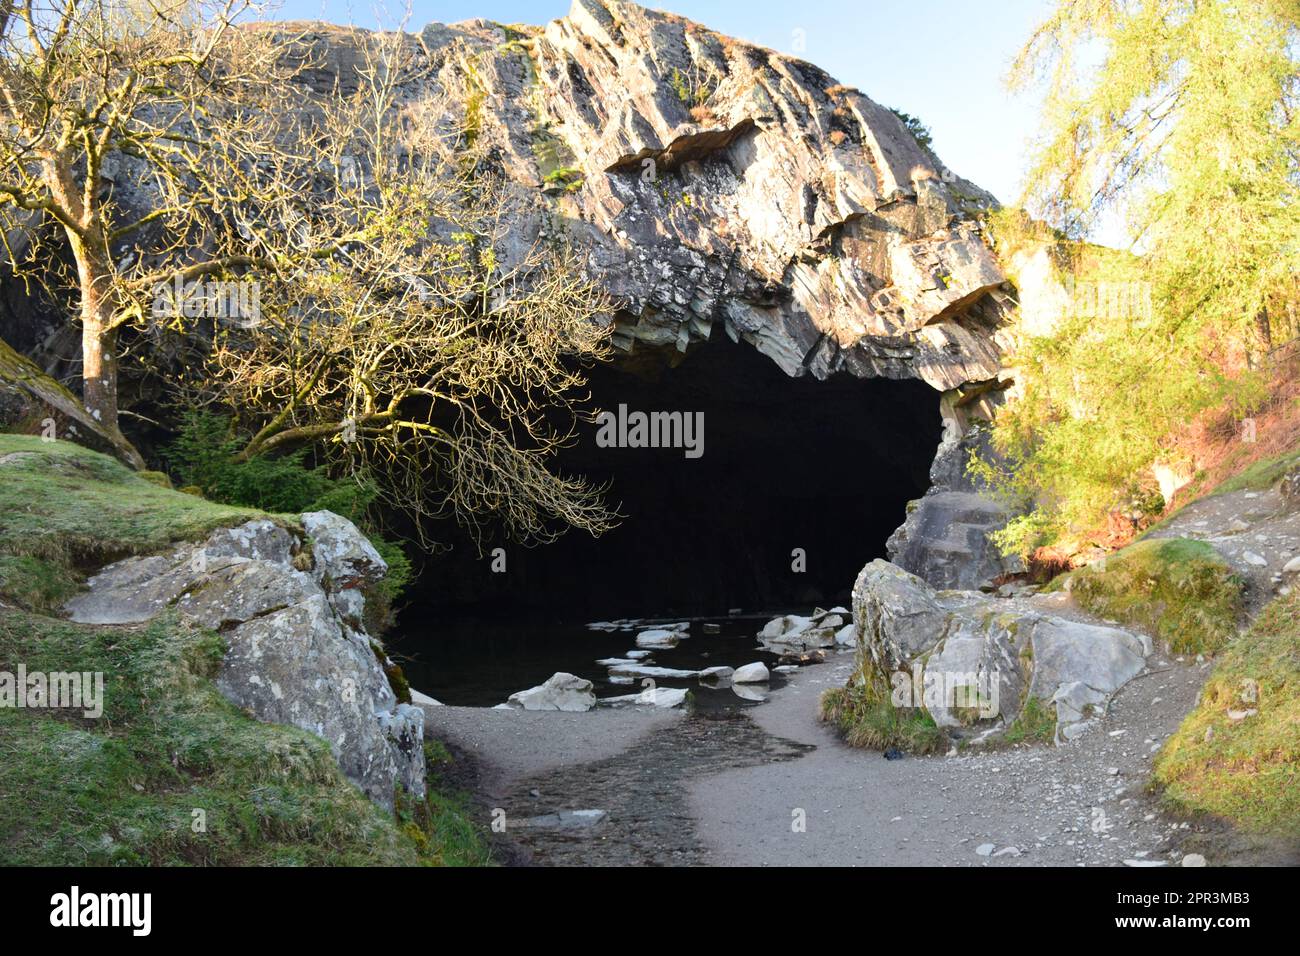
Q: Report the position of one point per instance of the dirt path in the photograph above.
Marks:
(1082, 804)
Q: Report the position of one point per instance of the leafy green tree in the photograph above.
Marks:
(1180, 119)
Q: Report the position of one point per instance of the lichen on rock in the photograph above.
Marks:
(295, 651)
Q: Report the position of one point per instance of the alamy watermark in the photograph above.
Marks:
(238, 303)
(1109, 299)
(946, 690)
(626, 429)
(56, 690)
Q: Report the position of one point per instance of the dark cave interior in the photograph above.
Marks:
(789, 463)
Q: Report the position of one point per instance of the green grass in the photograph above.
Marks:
(124, 788)
(1248, 772)
(867, 719)
(68, 505)
(1035, 724)
(1261, 475)
(1181, 591)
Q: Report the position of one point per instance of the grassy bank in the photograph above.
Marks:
(1245, 770)
(1180, 591)
(171, 773)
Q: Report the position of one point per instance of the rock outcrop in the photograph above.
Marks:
(33, 403)
(289, 609)
(712, 183)
(945, 538)
(973, 662)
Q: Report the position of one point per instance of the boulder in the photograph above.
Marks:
(755, 673)
(560, 692)
(658, 639)
(792, 631)
(717, 675)
(341, 554)
(944, 539)
(291, 656)
(971, 660)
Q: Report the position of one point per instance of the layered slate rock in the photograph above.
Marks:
(1001, 653)
(707, 182)
(296, 651)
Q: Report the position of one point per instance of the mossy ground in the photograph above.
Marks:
(123, 788)
(65, 509)
(1260, 475)
(1248, 771)
(1182, 592)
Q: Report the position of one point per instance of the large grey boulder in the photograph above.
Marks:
(973, 661)
(561, 691)
(292, 656)
(944, 539)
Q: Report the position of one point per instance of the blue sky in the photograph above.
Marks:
(943, 60)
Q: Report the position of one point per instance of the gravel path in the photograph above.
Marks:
(1082, 804)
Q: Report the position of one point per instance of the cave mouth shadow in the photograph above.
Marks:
(800, 483)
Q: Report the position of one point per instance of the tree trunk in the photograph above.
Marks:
(99, 346)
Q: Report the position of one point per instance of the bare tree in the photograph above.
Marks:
(406, 326)
(85, 84)
(389, 327)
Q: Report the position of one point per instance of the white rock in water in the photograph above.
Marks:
(560, 692)
(1254, 559)
(755, 673)
(984, 849)
(647, 670)
(1144, 862)
(846, 636)
(784, 628)
(423, 700)
(754, 692)
(637, 655)
(661, 697)
(657, 638)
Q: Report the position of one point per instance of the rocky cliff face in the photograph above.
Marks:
(711, 183)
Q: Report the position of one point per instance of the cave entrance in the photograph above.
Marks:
(800, 482)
